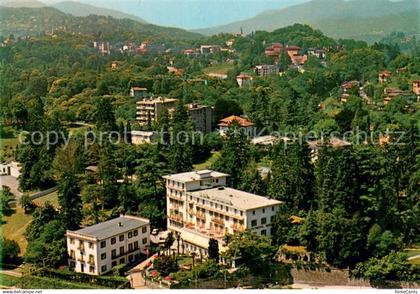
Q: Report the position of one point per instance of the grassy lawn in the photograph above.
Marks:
(52, 197)
(208, 163)
(412, 252)
(7, 146)
(182, 260)
(415, 261)
(16, 223)
(15, 226)
(223, 68)
(6, 280)
(34, 282)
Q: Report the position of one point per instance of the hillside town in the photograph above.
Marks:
(136, 156)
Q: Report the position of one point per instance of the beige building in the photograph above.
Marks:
(149, 110)
(143, 137)
(201, 116)
(138, 92)
(244, 80)
(266, 69)
(200, 207)
(95, 250)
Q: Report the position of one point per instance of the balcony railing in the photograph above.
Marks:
(200, 215)
(238, 227)
(91, 261)
(176, 197)
(176, 217)
(218, 221)
(220, 211)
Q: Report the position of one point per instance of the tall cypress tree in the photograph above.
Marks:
(234, 155)
(180, 149)
(70, 201)
(292, 179)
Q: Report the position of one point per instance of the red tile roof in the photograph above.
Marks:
(242, 122)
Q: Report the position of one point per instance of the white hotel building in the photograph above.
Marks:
(200, 207)
(95, 250)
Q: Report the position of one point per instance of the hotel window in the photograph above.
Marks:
(263, 232)
(114, 263)
(272, 219)
(71, 241)
(227, 209)
(144, 241)
(136, 245)
(113, 253)
(90, 245)
(121, 238)
(72, 254)
(103, 268)
(91, 260)
(130, 247)
(263, 210)
(226, 217)
(254, 223)
(103, 256)
(113, 240)
(144, 230)
(217, 181)
(103, 244)
(130, 235)
(263, 221)
(135, 233)
(130, 258)
(242, 213)
(121, 250)
(272, 208)
(253, 212)
(122, 260)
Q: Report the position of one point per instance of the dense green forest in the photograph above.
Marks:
(357, 204)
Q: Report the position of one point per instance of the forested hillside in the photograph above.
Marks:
(34, 21)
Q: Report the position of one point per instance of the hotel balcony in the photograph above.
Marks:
(91, 262)
(200, 215)
(175, 187)
(191, 211)
(175, 197)
(238, 227)
(176, 217)
(220, 211)
(81, 259)
(218, 221)
(176, 206)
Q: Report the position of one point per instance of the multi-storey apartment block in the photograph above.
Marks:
(149, 110)
(95, 250)
(200, 207)
(201, 116)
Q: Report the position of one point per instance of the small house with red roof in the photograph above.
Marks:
(244, 80)
(416, 87)
(383, 76)
(240, 122)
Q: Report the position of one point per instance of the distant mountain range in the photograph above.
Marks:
(81, 9)
(369, 20)
(72, 7)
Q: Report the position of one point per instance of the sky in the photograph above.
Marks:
(191, 14)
